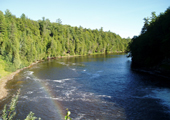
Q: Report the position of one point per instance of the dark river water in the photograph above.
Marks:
(100, 87)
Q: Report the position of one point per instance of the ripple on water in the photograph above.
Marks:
(61, 81)
(163, 94)
(29, 72)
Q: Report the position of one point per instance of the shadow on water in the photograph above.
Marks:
(143, 98)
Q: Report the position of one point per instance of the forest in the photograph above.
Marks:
(24, 41)
(152, 47)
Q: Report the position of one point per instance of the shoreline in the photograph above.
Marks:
(158, 70)
(4, 80)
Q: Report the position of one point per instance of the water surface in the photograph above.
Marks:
(100, 87)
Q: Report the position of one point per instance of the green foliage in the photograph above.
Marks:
(3, 65)
(9, 113)
(10, 67)
(152, 46)
(67, 117)
(31, 116)
(23, 41)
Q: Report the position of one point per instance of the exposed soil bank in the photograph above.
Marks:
(4, 80)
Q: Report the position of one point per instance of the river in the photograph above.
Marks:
(97, 87)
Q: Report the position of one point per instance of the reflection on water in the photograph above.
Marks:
(92, 87)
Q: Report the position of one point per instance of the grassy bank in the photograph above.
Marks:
(5, 76)
(3, 73)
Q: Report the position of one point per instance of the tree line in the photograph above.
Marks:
(23, 41)
(152, 46)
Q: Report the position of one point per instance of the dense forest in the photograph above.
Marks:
(152, 46)
(23, 41)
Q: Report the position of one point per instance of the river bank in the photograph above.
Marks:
(4, 80)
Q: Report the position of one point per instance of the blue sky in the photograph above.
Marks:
(123, 17)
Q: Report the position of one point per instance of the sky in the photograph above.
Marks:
(123, 17)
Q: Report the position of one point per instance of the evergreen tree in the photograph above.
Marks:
(23, 41)
(152, 46)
